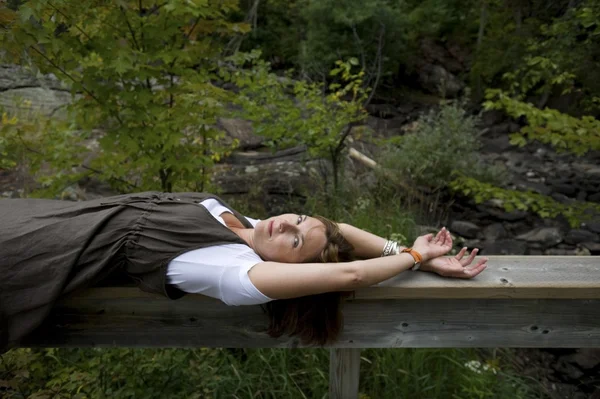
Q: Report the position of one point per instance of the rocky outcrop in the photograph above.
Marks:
(22, 92)
(438, 68)
(538, 168)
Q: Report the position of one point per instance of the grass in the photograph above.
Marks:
(255, 373)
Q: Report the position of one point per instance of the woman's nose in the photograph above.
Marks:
(285, 226)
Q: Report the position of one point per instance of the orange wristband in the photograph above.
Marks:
(416, 256)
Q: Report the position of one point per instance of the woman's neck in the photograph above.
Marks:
(238, 228)
(245, 234)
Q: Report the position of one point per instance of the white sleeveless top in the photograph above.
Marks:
(220, 271)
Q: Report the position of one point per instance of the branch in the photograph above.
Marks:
(187, 37)
(67, 18)
(66, 74)
(89, 93)
(347, 131)
(379, 63)
(137, 46)
(360, 47)
(111, 177)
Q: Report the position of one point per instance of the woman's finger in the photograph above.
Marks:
(439, 236)
(472, 272)
(448, 237)
(468, 261)
(461, 253)
(444, 236)
(479, 263)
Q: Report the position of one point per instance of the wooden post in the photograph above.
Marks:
(344, 370)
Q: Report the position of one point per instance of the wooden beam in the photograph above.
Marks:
(380, 323)
(344, 372)
(534, 277)
(517, 302)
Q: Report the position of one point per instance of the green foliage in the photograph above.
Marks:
(512, 200)
(560, 57)
(382, 34)
(537, 46)
(290, 112)
(562, 131)
(441, 143)
(257, 373)
(141, 72)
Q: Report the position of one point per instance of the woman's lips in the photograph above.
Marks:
(270, 228)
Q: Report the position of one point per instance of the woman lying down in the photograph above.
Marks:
(299, 266)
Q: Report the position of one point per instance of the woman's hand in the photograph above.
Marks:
(432, 247)
(454, 266)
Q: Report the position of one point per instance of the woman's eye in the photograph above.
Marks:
(296, 241)
(299, 219)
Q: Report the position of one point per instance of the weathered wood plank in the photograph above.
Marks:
(533, 277)
(198, 321)
(517, 302)
(344, 373)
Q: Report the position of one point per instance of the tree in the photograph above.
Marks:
(144, 73)
(291, 112)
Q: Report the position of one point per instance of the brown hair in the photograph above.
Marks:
(315, 319)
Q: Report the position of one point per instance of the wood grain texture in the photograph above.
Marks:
(518, 302)
(344, 373)
(196, 321)
(534, 277)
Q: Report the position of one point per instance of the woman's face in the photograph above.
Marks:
(289, 238)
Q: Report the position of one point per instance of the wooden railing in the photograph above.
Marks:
(519, 301)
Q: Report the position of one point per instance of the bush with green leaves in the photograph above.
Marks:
(441, 142)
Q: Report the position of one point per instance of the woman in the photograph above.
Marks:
(172, 243)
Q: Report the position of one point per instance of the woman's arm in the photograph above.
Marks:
(291, 280)
(366, 245)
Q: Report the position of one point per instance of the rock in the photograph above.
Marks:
(560, 252)
(578, 236)
(593, 247)
(539, 188)
(594, 197)
(437, 80)
(568, 369)
(565, 189)
(563, 199)
(465, 229)
(492, 117)
(498, 130)
(501, 214)
(502, 129)
(593, 226)
(497, 145)
(385, 111)
(505, 247)
(494, 232)
(586, 358)
(387, 127)
(582, 251)
(472, 244)
(437, 53)
(544, 236)
(44, 95)
(241, 130)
